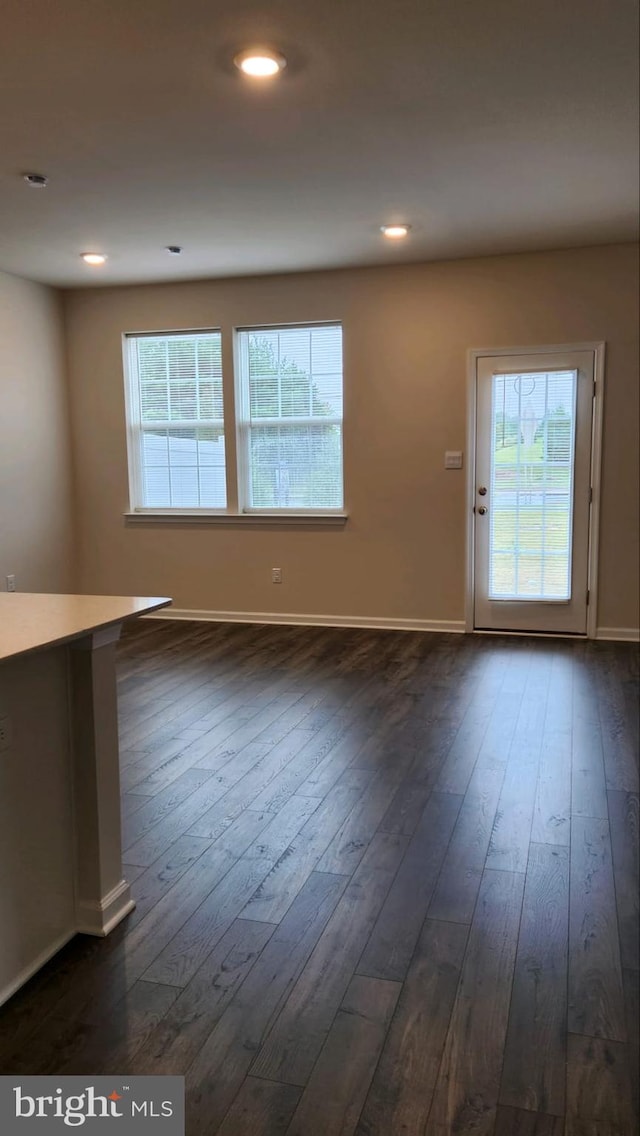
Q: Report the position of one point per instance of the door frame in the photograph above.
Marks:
(475, 353)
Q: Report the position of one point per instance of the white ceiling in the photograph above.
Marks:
(491, 125)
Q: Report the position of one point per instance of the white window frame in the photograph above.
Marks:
(236, 464)
(244, 424)
(135, 425)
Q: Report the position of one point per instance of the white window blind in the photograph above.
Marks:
(532, 469)
(175, 419)
(290, 425)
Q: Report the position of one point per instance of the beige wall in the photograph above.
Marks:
(36, 523)
(406, 333)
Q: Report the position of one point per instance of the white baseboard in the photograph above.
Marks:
(91, 919)
(28, 971)
(381, 623)
(620, 634)
(100, 918)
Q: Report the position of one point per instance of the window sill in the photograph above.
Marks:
(277, 520)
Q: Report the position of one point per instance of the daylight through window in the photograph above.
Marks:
(289, 421)
(291, 417)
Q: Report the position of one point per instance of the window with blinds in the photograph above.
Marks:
(290, 418)
(175, 421)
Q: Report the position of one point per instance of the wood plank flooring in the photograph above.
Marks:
(386, 884)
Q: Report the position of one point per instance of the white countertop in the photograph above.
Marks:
(30, 621)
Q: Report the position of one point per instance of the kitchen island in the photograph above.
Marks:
(60, 841)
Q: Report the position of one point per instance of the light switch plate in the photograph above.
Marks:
(453, 459)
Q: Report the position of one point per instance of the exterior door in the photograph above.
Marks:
(532, 491)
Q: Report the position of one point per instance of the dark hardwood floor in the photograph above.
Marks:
(386, 883)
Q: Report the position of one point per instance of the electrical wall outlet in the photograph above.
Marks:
(5, 732)
(276, 575)
(11, 583)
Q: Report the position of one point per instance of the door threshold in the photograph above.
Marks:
(582, 635)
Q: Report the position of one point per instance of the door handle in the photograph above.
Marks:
(482, 510)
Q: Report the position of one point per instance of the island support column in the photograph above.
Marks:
(103, 896)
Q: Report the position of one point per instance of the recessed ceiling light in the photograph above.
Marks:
(259, 63)
(395, 232)
(37, 181)
(93, 258)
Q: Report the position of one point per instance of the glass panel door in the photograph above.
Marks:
(533, 446)
(533, 460)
